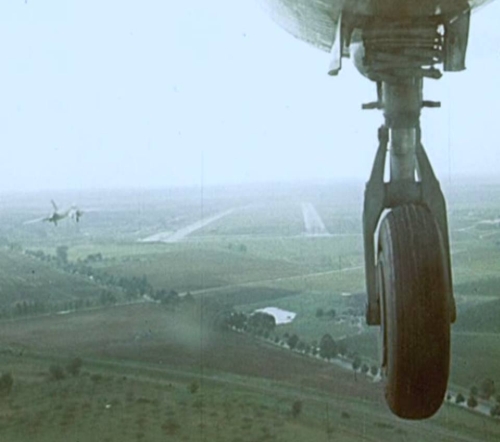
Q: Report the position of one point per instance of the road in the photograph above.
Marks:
(313, 223)
(267, 281)
(179, 235)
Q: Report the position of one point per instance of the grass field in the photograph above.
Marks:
(285, 219)
(191, 268)
(306, 324)
(121, 396)
(475, 357)
(141, 361)
(26, 279)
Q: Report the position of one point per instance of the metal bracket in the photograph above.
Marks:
(380, 196)
(336, 51)
(456, 37)
(375, 104)
(432, 197)
(372, 210)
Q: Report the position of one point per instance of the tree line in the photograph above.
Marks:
(263, 325)
(130, 287)
(486, 391)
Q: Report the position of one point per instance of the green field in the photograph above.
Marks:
(258, 220)
(26, 279)
(143, 359)
(168, 385)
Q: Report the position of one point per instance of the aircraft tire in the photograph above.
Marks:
(414, 286)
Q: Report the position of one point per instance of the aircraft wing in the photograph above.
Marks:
(54, 205)
(316, 21)
(77, 213)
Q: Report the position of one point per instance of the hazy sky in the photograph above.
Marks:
(136, 93)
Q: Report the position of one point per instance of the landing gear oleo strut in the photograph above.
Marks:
(398, 44)
(408, 271)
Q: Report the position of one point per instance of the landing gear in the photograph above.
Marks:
(414, 298)
(408, 275)
(398, 44)
(407, 257)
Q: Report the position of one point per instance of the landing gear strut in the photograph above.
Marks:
(407, 251)
(408, 270)
(397, 44)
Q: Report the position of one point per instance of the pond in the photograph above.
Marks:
(281, 316)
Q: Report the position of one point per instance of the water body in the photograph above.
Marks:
(280, 316)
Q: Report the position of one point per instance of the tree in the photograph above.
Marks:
(222, 320)
(301, 346)
(171, 426)
(235, 320)
(171, 298)
(293, 341)
(159, 295)
(15, 247)
(262, 321)
(74, 367)
(495, 410)
(459, 399)
(327, 347)
(356, 363)
(364, 368)
(374, 370)
(6, 384)
(62, 254)
(56, 372)
(342, 348)
(193, 387)
(472, 402)
(487, 388)
(296, 408)
(345, 415)
(107, 298)
(331, 313)
(473, 390)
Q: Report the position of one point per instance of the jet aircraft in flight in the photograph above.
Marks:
(57, 215)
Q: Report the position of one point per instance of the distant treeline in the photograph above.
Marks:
(113, 289)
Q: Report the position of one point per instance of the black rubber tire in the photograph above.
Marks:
(414, 287)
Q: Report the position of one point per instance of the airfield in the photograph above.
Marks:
(139, 288)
